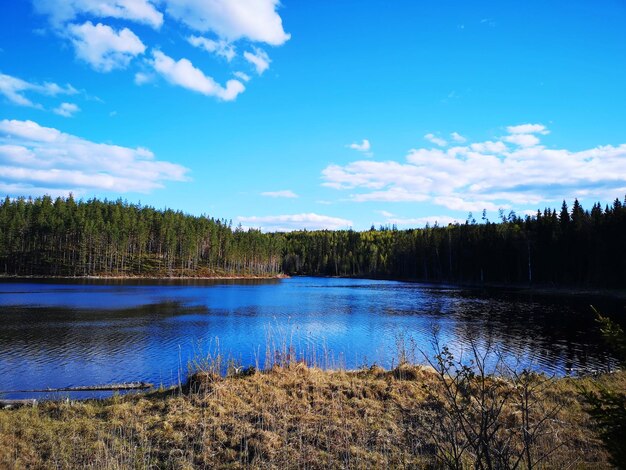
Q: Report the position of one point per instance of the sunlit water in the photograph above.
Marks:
(55, 334)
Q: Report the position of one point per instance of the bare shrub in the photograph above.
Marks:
(486, 415)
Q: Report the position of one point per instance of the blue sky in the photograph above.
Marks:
(315, 114)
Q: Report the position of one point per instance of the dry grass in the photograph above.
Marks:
(289, 417)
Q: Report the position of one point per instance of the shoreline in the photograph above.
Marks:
(146, 278)
(295, 413)
(539, 289)
(142, 389)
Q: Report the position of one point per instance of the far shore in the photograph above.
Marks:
(539, 289)
(147, 278)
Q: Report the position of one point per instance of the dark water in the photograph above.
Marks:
(56, 334)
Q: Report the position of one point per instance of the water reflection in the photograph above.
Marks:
(93, 332)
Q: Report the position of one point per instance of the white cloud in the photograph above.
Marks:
(458, 203)
(436, 140)
(385, 214)
(489, 147)
(25, 190)
(528, 129)
(288, 223)
(458, 137)
(14, 89)
(242, 76)
(523, 140)
(372, 175)
(36, 159)
(256, 20)
(287, 193)
(184, 74)
(364, 147)
(104, 48)
(221, 48)
(489, 175)
(66, 109)
(441, 220)
(28, 130)
(217, 26)
(259, 59)
(63, 11)
(142, 78)
(390, 195)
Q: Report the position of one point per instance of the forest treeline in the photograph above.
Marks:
(65, 237)
(574, 247)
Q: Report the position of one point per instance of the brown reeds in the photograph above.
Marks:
(294, 415)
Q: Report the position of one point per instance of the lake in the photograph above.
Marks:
(71, 333)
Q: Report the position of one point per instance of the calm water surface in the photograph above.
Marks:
(55, 334)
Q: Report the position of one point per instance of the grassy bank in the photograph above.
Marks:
(298, 417)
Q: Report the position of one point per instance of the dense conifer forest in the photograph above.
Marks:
(65, 237)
